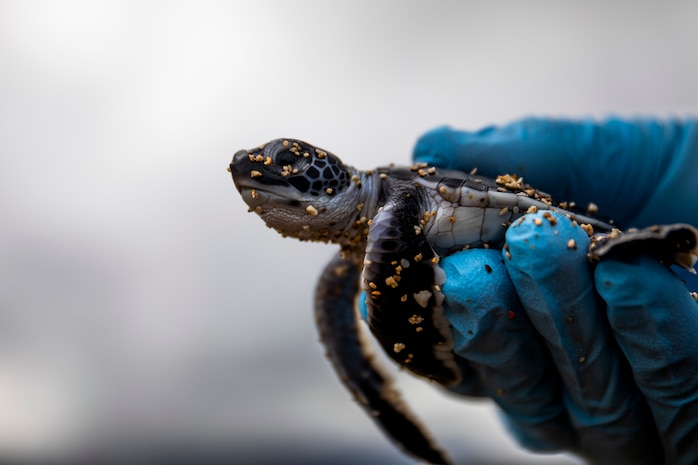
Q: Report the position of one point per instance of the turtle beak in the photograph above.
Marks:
(253, 198)
(242, 168)
(238, 167)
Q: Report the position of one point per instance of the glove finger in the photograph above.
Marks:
(546, 259)
(610, 163)
(494, 336)
(655, 322)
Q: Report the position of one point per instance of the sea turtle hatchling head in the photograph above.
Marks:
(393, 224)
(298, 189)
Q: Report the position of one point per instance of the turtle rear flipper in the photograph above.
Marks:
(336, 317)
(672, 244)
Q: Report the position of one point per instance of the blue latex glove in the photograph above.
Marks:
(598, 359)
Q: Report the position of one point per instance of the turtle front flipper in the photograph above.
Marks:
(337, 322)
(671, 244)
(402, 280)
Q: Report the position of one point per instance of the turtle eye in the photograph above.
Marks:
(309, 170)
(286, 158)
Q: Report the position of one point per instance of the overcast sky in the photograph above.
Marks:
(139, 302)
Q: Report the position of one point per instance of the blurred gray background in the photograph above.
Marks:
(144, 315)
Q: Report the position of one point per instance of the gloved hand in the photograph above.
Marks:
(602, 359)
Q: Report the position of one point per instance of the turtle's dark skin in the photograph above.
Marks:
(392, 226)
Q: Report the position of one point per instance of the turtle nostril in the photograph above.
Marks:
(239, 155)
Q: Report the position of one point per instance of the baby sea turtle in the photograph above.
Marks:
(392, 225)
